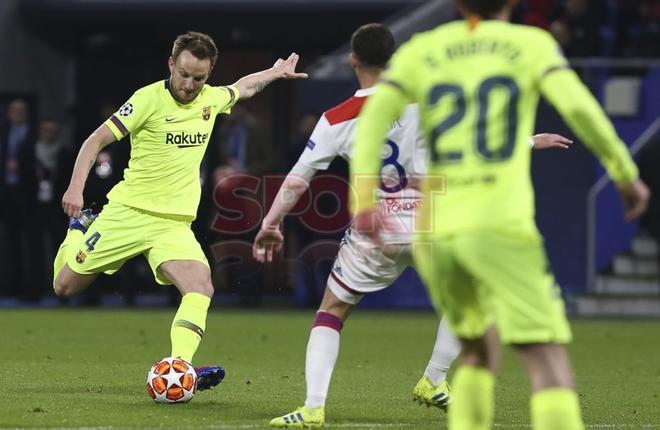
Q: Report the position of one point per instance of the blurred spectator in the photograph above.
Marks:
(244, 142)
(234, 133)
(650, 29)
(299, 139)
(17, 140)
(576, 24)
(639, 28)
(234, 269)
(534, 12)
(51, 170)
(239, 153)
(109, 166)
(297, 235)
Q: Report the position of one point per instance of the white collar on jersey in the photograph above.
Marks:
(365, 92)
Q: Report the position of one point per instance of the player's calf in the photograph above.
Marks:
(189, 276)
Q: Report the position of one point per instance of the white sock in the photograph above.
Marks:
(322, 352)
(446, 349)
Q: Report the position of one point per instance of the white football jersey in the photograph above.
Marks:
(404, 159)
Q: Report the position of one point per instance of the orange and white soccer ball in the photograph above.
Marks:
(171, 380)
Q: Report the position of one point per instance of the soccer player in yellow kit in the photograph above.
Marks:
(477, 248)
(151, 209)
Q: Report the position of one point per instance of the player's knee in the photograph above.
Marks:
(62, 288)
(334, 305)
(205, 288)
(473, 358)
(201, 286)
(209, 290)
(475, 353)
(547, 364)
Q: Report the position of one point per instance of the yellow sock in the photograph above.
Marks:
(556, 409)
(473, 404)
(188, 325)
(72, 236)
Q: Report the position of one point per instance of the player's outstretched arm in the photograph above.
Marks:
(282, 69)
(269, 239)
(586, 118)
(72, 201)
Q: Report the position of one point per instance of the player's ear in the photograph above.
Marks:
(352, 60)
(170, 64)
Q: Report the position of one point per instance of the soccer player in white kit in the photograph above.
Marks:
(361, 265)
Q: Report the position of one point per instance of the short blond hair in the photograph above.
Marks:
(200, 45)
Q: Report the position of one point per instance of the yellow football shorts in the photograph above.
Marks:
(122, 232)
(486, 278)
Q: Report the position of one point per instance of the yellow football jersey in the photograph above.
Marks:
(478, 90)
(168, 141)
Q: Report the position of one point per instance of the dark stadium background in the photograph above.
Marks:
(75, 61)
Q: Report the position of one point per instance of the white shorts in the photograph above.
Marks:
(361, 267)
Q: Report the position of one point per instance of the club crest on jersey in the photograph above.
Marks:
(80, 257)
(206, 113)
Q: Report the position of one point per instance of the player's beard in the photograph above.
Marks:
(184, 96)
(187, 97)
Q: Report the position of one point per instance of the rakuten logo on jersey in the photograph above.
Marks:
(185, 140)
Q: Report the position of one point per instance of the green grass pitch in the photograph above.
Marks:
(81, 368)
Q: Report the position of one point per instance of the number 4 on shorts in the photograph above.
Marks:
(92, 241)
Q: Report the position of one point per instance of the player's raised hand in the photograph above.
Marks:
(72, 202)
(287, 68)
(266, 243)
(551, 140)
(635, 196)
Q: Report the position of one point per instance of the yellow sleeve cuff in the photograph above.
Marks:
(116, 127)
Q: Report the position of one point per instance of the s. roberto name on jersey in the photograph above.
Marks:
(186, 140)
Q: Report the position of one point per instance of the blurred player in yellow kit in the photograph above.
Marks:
(478, 82)
(151, 209)
(361, 267)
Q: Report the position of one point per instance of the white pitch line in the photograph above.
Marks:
(225, 426)
(372, 425)
(341, 425)
(592, 426)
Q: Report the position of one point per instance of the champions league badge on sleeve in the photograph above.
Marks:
(126, 110)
